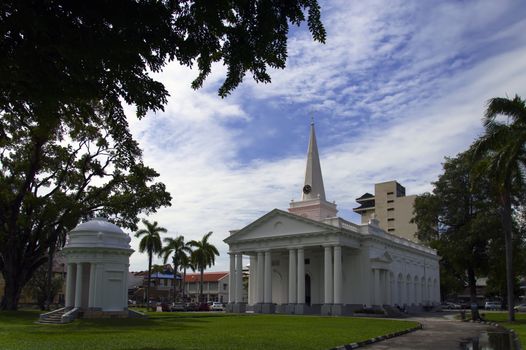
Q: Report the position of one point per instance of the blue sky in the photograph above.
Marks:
(398, 86)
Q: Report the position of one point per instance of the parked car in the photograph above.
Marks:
(217, 306)
(178, 307)
(493, 305)
(192, 307)
(204, 307)
(451, 306)
(520, 308)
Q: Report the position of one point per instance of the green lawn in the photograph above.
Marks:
(519, 326)
(163, 331)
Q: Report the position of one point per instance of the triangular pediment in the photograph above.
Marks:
(385, 257)
(278, 223)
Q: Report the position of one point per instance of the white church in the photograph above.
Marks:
(310, 261)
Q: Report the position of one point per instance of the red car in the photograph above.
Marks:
(204, 307)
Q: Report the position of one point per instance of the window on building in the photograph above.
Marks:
(390, 209)
(390, 201)
(390, 230)
(390, 193)
(225, 286)
(307, 261)
(390, 219)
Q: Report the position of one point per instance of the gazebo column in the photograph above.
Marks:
(92, 285)
(338, 283)
(328, 283)
(78, 285)
(293, 278)
(268, 306)
(300, 306)
(71, 274)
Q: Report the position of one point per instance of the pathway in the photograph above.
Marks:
(438, 333)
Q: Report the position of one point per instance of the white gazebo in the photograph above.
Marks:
(97, 254)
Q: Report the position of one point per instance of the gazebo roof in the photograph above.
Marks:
(98, 233)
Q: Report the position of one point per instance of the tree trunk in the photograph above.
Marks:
(174, 282)
(49, 279)
(184, 285)
(201, 285)
(149, 280)
(507, 228)
(472, 283)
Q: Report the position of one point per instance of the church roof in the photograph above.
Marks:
(277, 212)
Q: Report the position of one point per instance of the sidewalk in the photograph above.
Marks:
(438, 333)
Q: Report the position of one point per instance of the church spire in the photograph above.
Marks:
(313, 204)
(313, 185)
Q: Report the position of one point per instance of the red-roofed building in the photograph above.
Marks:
(215, 286)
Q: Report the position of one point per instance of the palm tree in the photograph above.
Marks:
(151, 243)
(175, 247)
(501, 153)
(186, 263)
(203, 256)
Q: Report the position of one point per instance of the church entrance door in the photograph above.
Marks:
(307, 289)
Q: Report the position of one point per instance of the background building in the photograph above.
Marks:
(392, 208)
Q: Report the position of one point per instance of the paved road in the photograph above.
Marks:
(438, 333)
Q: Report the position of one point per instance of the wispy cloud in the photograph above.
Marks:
(398, 86)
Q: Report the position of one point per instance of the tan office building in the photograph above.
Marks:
(392, 208)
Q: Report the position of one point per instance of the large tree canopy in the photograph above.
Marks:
(460, 219)
(50, 178)
(68, 52)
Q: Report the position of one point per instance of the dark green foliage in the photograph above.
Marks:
(73, 51)
(460, 219)
(501, 154)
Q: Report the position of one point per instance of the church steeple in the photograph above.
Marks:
(313, 204)
(313, 184)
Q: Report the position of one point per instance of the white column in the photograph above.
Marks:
(99, 277)
(125, 286)
(231, 278)
(327, 275)
(338, 275)
(70, 284)
(78, 286)
(301, 276)
(252, 280)
(239, 278)
(260, 276)
(92, 284)
(268, 278)
(292, 277)
(376, 279)
(388, 288)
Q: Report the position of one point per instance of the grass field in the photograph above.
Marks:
(519, 326)
(164, 331)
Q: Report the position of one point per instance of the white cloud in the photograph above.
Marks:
(398, 87)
